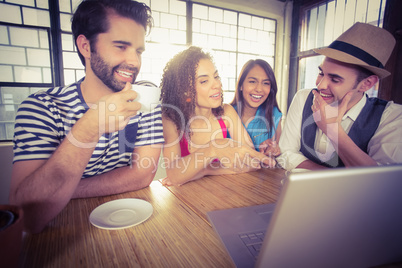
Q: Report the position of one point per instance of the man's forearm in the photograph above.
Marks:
(350, 154)
(119, 180)
(43, 188)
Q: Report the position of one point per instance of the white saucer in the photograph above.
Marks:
(121, 213)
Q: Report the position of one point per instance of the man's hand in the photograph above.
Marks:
(113, 112)
(328, 117)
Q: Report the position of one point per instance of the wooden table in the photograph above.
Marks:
(177, 234)
(230, 191)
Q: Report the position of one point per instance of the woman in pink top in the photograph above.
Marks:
(196, 123)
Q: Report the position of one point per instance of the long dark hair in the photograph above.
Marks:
(178, 93)
(269, 104)
(91, 17)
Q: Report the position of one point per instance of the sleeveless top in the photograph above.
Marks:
(361, 131)
(184, 142)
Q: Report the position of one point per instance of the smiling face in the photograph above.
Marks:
(256, 87)
(116, 56)
(336, 79)
(208, 85)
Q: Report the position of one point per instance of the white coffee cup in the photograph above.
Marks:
(148, 96)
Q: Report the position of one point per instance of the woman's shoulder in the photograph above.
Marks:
(229, 111)
(168, 123)
(227, 108)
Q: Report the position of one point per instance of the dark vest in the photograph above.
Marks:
(361, 132)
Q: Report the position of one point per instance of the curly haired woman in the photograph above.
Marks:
(196, 123)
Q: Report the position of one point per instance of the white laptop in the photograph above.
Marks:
(345, 217)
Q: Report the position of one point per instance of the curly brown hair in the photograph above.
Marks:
(178, 94)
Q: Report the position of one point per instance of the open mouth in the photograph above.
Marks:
(326, 96)
(125, 75)
(217, 95)
(256, 97)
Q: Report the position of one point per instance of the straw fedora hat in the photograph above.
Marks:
(364, 45)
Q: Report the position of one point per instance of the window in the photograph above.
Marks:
(31, 59)
(233, 38)
(324, 22)
(25, 57)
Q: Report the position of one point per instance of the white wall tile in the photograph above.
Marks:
(43, 39)
(269, 25)
(36, 17)
(257, 23)
(64, 6)
(69, 77)
(38, 57)
(200, 12)
(182, 23)
(169, 21)
(178, 7)
(72, 60)
(229, 17)
(12, 55)
(9, 13)
(67, 42)
(28, 74)
(22, 2)
(156, 18)
(244, 20)
(160, 5)
(4, 35)
(6, 73)
(207, 27)
(65, 22)
(42, 4)
(215, 14)
(223, 29)
(47, 75)
(24, 37)
(79, 74)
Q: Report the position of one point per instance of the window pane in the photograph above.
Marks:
(233, 41)
(160, 5)
(36, 17)
(10, 99)
(178, 7)
(25, 55)
(327, 21)
(323, 23)
(10, 13)
(200, 11)
(308, 71)
(229, 17)
(215, 14)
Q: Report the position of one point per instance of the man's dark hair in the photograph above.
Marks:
(362, 74)
(91, 17)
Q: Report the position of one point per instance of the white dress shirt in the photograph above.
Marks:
(385, 147)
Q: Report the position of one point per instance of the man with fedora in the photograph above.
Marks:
(336, 124)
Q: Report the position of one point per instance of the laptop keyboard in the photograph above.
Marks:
(253, 241)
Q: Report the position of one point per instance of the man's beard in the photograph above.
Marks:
(106, 73)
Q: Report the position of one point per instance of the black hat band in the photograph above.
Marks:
(356, 52)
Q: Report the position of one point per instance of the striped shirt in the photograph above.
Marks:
(46, 117)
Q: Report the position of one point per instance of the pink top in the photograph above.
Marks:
(184, 142)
